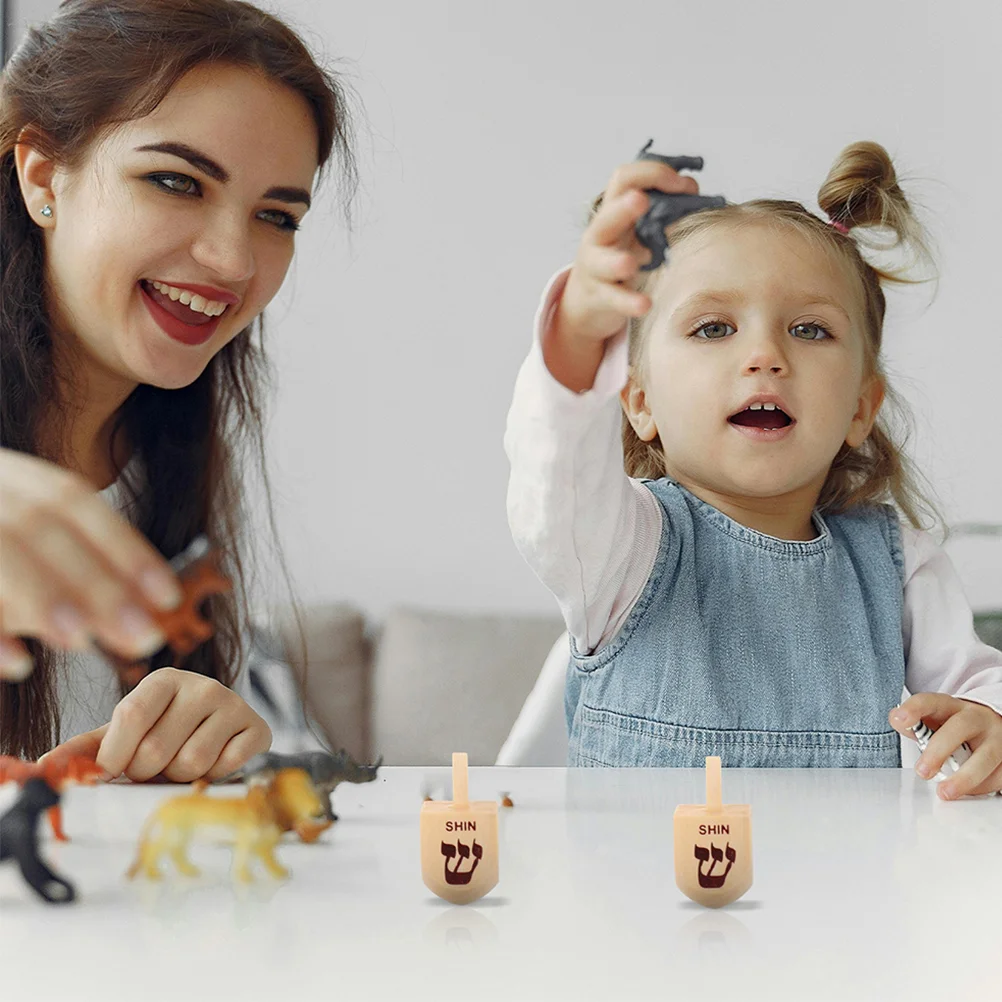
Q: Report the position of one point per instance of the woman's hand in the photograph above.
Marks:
(955, 721)
(71, 569)
(600, 292)
(178, 725)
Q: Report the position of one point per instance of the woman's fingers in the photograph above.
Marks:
(85, 745)
(36, 602)
(241, 747)
(182, 726)
(134, 717)
(62, 577)
(38, 495)
(15, 661)
(203, 747)
(70, 567)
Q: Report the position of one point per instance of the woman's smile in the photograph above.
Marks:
(180, 321)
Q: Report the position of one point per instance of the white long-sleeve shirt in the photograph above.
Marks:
(591, 533)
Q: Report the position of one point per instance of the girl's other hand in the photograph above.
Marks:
(178, 725)
(955, 721)
(600, 294)
(71, 569)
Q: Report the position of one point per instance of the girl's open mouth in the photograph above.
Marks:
(762, 425)
(178, 321)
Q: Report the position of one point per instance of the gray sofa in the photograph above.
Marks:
(414, 688)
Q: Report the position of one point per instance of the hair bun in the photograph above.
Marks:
(862, 188)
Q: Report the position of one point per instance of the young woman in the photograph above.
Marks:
(155, 163)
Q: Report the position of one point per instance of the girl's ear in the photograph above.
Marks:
(870, 398)
(634, 402)
(34, 175)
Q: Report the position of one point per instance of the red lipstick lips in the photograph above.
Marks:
(178, 330)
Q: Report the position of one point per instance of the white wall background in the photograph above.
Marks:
(485, 130)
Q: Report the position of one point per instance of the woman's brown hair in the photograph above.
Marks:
(862, 194)
(96, 64)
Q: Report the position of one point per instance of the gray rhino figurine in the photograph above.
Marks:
(326, 769)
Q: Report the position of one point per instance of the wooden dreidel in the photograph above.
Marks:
(459, 841)
(713, 845)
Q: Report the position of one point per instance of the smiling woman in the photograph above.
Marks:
(155, 163)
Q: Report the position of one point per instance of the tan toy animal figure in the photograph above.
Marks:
(255, 823)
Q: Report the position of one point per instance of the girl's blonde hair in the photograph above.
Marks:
(861, 193)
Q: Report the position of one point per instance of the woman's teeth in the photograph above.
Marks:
(192, 300)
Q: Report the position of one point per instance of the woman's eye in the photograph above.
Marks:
(181, 184)
(175, 183)
(283, 220)
(713, 331)
(810, 332)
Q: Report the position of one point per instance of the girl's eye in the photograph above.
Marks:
(714, 330)
(814, 332)
(181, 184)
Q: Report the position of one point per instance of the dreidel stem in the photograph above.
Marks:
(461, 779)
(714, 801)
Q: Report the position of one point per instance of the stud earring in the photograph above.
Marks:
(47, 211)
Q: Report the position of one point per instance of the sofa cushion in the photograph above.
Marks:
(447, 682)
(333, 677)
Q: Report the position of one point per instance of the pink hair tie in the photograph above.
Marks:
(841, 227)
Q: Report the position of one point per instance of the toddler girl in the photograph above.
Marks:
(756, 584)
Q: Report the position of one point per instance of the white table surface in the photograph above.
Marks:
(866, 887)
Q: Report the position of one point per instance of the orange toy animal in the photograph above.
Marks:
(288, 802)
(184, 627)
(57, 771)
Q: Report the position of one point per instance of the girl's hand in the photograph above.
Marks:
(178, 725)
(71, 569)
(955, 721)
(600, 292)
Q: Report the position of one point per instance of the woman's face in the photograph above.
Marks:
(136, 230)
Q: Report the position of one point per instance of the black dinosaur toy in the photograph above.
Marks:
(668, 208)
(19, 841)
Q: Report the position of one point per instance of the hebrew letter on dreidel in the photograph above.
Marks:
(459, 841)
(700, 829)
(449, 851)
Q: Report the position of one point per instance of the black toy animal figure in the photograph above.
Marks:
(19, 841)
(668, 208)
(324, 768)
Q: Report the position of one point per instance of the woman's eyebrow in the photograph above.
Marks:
(205, 163)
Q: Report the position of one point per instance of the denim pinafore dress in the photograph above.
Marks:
(764, 651)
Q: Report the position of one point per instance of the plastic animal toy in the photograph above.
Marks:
(297, 804)
(324, 768)
(668, 208)
(184, 627)
(19, 841)
(255, 822)
(57, 771)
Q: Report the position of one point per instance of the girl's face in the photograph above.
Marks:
(209, 213)
(743, 312)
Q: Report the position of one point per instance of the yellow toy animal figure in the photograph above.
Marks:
(297, 804)
(255, 822)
